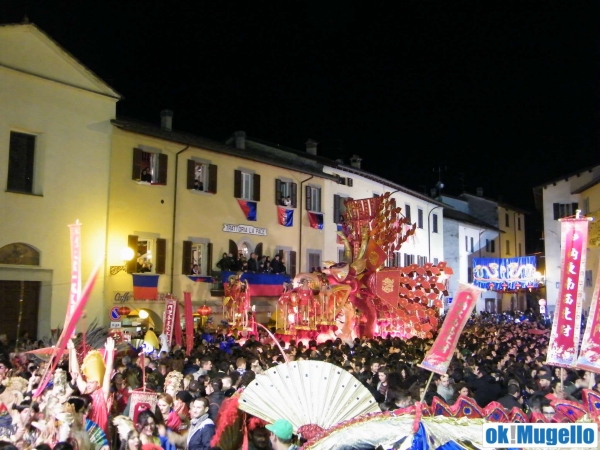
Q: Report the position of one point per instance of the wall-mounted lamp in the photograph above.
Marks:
(143, 314)
(126, 255)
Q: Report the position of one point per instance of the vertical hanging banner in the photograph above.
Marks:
(589, 355)
(440, 354)
(189, 322)
(75, 291)
(564, 339)
(169, 318)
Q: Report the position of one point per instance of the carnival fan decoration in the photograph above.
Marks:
(307, 393)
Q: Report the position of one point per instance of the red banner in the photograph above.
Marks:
(589, 355)
(564, 339)
(189, 322)
(177, 335)
(440, 354)
(75, 291)
(385, 283)
(169, 318)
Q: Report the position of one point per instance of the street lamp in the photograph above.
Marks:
(429, 231)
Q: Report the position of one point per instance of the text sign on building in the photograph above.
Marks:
(244, 229)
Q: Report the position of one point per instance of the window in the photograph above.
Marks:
(469, 274)
(397, 259)
(466, 243)
(246, 185)
(588, 278)
(288, 257)
(421, 260)
(472, 245)
(420, 218)
(350, 182)
(493, 246)
(197, 253)
(201, 176)
(507, 247)
(341, 255)
(586, 205)
(434, 219)
(407, 212)
(150, 255)
(520, 252)
(149, 167)
(519, 223)
(314, 260)
(21, 159)
(339, 208)
(564, 210)
(436, 261)
(506, 221)
(313, 198)
(408, 259)
(487, 245)
(286, 193)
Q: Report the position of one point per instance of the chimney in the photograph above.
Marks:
(240, 140)
(166, 119)
(479, 192)
(311, 147)
(355, 161)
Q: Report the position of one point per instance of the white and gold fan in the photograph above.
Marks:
(307, 393)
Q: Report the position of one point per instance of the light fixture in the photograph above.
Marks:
(126, 255)
(143, 314)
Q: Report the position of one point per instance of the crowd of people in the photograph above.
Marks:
(254, 264)
(495, 360)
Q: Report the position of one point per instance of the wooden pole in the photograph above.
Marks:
(426, 387)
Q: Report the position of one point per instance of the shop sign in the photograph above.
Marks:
(244, 229)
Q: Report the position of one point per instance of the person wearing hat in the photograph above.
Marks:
(282, 435)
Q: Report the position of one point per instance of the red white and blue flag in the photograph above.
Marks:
(200, 279)
(285, 216)
(145, 287)
(249, 209)
(315, 220)
(260, 284)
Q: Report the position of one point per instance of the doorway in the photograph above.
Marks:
(10, 294)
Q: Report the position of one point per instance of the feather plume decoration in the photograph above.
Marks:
(307, 393)
(124, 425)
(228, 434)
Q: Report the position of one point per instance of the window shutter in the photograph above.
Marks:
(350, 182)
(162, 168)
(161, 255)
(278, 191)
(292, 264)
(191, 172)
(259, 249)
(209, 258)
(294, 195)
(132, 243)
(320, 203)
(212, 178)
(237, 183)
(308, 200)
(256, 187)
(186, 259)
(575, 207)
(336, 208)
(233, 249)
(555, 206)
(136, 173)
(342, 180)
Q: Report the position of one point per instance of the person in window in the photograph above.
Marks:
(286, 201)
(266, 265)
(198, 185)
(146, 267)
(195, 270)
(277, 265)
(226, 263)
(253, 263)
(146, 175)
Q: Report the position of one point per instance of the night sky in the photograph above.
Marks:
(497, 94)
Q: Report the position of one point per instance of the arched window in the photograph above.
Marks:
(19, 254)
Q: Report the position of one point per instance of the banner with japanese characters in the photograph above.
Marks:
(169, 317)
(589, 355)
(440, 354)
(564, 339)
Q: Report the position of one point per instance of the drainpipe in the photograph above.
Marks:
(299, 268)
(175, 215)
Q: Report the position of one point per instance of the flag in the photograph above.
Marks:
(589, 355)
(375, 255)
(285, 216)
(564, 338)
(189, 322)
(75, 232)
(316, 220)
(200, 279)
(438, 358)
(145, 287)
(249, 209)
(260, 284)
